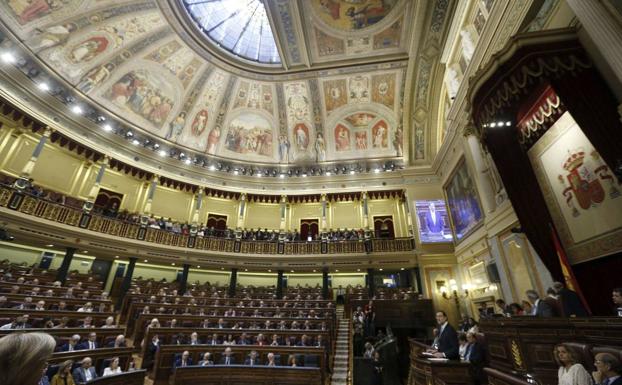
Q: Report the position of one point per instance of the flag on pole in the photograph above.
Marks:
(569, 278)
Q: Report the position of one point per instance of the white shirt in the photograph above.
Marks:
(109, 372)
(575, 375)
(87, 374)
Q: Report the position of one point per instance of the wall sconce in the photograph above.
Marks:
(451, 292)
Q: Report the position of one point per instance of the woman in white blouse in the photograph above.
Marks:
(113, 368)
(571, 372)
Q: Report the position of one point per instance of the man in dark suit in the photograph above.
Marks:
(151, 351)
(213, 340)
(540, 308)
(571, 303)
(207, 360)
(608, 369)
(84, 373)
(616, 296)
(227, 357)
(72, 344)
(553, 300)
(184, 360)
(90, 343)
(476, 356)
(446, 342)
(252, 359)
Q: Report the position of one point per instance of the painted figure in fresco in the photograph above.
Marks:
(302, 137)
(51, 36)
(212, 140)
(360, 139)
(176, 126)
(331, 7)
(380, 135)
(200, 123)
(284, 146)
(398, 139)
(88, 49)
(29, 10)
(320, 148)
(95, 77)
(342, 138)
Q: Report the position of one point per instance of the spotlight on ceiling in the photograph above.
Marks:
(107, 127)
(8, 57)
(162, 153)
(43, 86)
(77, 110)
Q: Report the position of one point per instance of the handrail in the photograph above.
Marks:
(41, 208)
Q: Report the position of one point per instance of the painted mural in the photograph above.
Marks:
(462, 199)
(328, 45)
(250, 133)
(383, 89)
(145, 95)
(26, 11)
(390, 37)
(352, 15)
(380, 135)
(335, 94)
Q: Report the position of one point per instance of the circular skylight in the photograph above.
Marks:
(238, 26)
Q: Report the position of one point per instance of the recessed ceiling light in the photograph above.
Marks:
(304, 175)
(173, 263)
(269, 271)
(212, 168)
(380, 269)
(292, 271)
(222, 268)
(376, 170)
(50, 245)
(8, 57)
(107, 127)
(328, 173)
(402, 269)
(282, 176)
(116, 256)
(85, 251)
(198, 267)
(135, 142)
(352, 172)
(245, 269)
(188, 161)
(358, 269)
(146, 260)
(43, 86)
(235, 172)
(162, 153)
(76, 110)
(337, 270)
(314, 270)
(258, 175)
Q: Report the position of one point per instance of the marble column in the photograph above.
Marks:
(604, 30)
(90, 200)
(22, 181)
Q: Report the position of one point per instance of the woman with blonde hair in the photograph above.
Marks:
(114, 367)
(63, 376)
(571, 372)
(23, 357)
(292, 361)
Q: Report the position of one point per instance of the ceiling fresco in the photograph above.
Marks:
(126, 57)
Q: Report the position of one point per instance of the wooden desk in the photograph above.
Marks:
(98, 356)
(496, 377)
(426, 372)
(98, 318)
(134, 377)
(164, 359)
(61, 336)
(240, 374)
(525, 344)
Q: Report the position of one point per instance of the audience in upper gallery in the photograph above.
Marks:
(571, 372)
(23, 357)
(540, 307)
(63, 376)
(85, 372)
(608, 369)
(616, 295)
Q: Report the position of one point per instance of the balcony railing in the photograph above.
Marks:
(56, 212)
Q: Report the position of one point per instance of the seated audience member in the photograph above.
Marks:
(608, 369)
(463, 344)
(114, 368)
(503, 308)
(516, 309)
(109, 324)
(227, 357)
(23, 357)
(369, 350)
(119, 342)
(63, 376)
(570, 372)
(207, 360)
(20, 322)
(527, 308)
(184, 360)
(616, 295)
(570, 302)
(63, 323)
(85, 372)
(252, 359)
(40, 306)
(72, 344)
(553, 300)
(213, 340)
(271, 360)
(292, 361)
(275, 340)
(540, 307)
(194, 339)
(446, 342)
(91, 342)
(475, 355)
(87, 323)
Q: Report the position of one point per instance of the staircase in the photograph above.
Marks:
(341, 369)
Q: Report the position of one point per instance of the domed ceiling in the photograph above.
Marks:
(187, 72)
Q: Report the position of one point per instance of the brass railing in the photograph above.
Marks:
(56, 212)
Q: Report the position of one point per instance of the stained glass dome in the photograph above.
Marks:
(238, 26)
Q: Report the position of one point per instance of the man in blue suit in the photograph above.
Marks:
(72, 344)
(184, 360)
(90, 343)
(446, 342)
(84, 373)
(227, 357)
